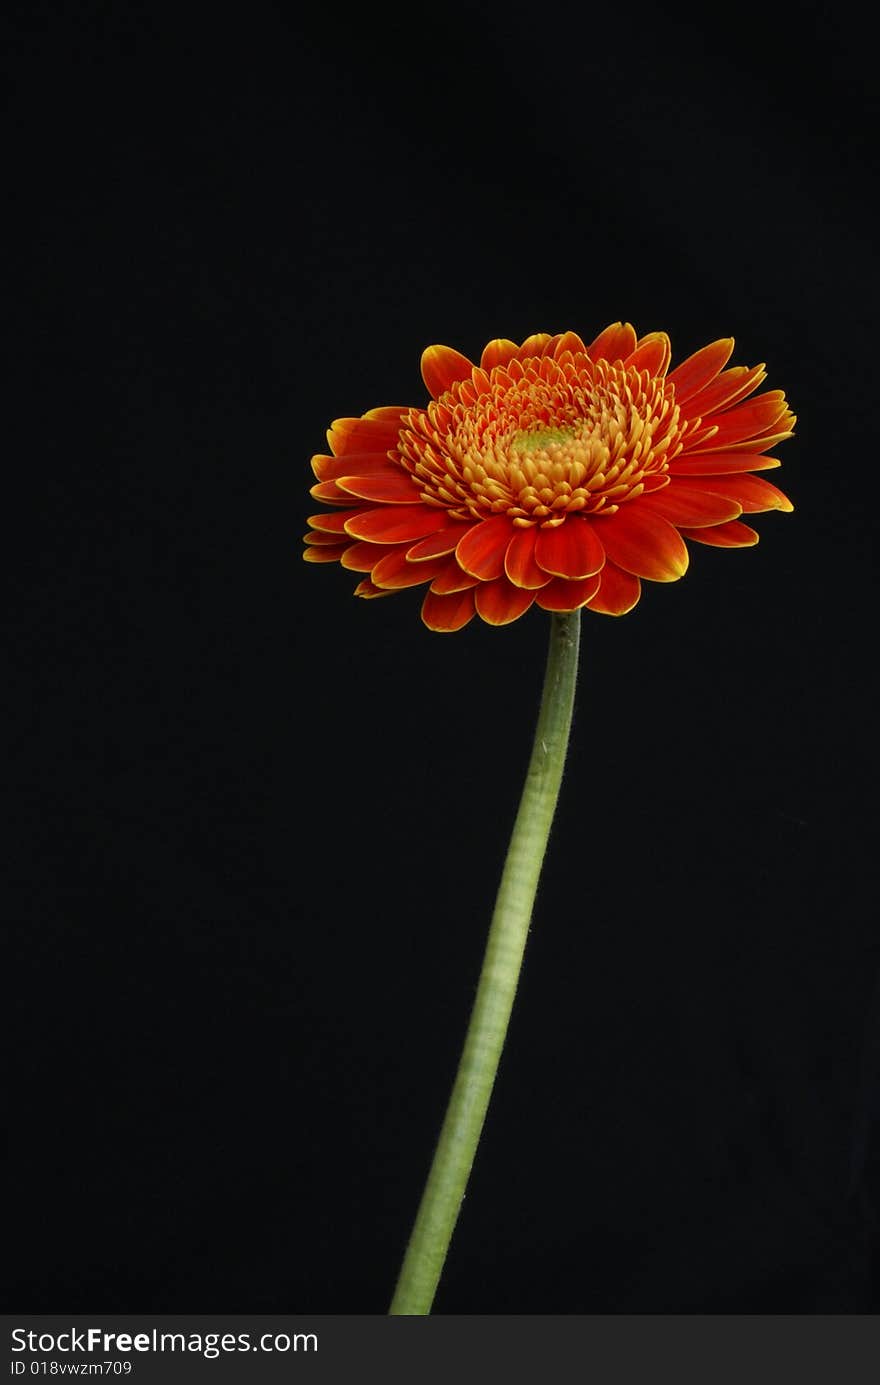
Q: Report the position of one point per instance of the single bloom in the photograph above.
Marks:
(552, 473)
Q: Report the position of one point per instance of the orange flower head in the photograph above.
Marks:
(552, 473)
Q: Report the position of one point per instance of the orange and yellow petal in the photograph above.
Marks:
(500, 602)
(481, 551)
(571, 550)
(732, 535)
(643, 544)
(618, 592)
(692, 505)
(448, 613)
(376, 431)
(652, 353)
(614, 344)
(443, 367)
(728, 389)
(562, 595)
(720, 463)
(388, 486)
(701, 368)
(752, 493)
(396, 524)
(519, 560)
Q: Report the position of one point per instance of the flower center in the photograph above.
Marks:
(543, 438)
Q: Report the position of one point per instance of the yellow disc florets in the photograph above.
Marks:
(543, 438)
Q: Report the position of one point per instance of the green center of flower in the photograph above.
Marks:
(537, 439)
(541, 439)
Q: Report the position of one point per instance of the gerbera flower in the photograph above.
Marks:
(552, 473)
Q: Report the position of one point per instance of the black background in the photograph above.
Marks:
(257, 825)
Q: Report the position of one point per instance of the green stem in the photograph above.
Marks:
(460, 1134)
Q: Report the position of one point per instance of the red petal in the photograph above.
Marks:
(324, 554)
(519, 560)
(321, 539)
(394, 572)
(368, 588)
(500, 602)
(437, 545)
(652, 353)
(618, 591)
(395, 523)
(732, 535)
(571, 549)
(729, 388)
(451, 578)
(447, 613)
(376, 431)
(747, 420)
(329, 523)
(442, 367)
(535, 345)
(498, 352)
(614, 344)
(363, 557)
(696, 372)
(682, 504)
(569, 341)
(720, 463)
(329, 494)
(481, 551)
(752, 492)
(561, 595)
(753, 444)
(643, 543)
(392, 487)
(350, 464)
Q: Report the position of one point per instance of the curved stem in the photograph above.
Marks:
(460, 1134)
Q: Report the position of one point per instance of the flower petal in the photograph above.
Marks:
(614, 344)
(330, 523)
(439, 544)
(643, 543)
(747, 420)
(368, 588)
(561, 595)
(393, 486)
(697, 370)
(363, 557)
(728, 389)
(443, 367)
(349, 464)
(451, 578)
(376, 431)
(732, 535)
(652, 353)
(329, 494)
(324, 553)
(618, 592)
(720, 463)
(535, 345)
(394, 572)
(569, 341)
(519, 560)
(481, 551)
(320, 539)
(498, 352)
(683, 504)
(395, 523)
(753, 493)
(500, 602)
(447, 613)
(571, 550)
